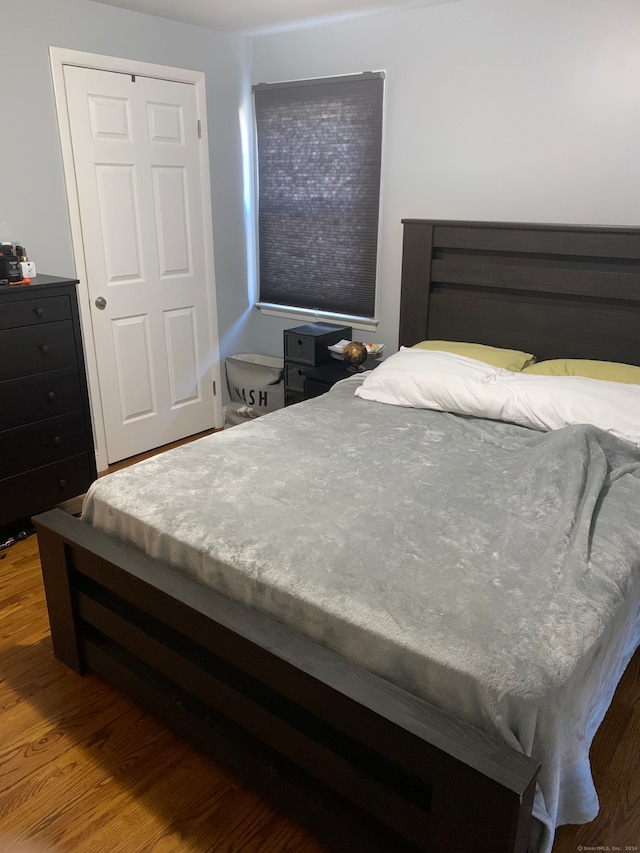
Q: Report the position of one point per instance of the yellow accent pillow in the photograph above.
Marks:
(610, 371)
(508, 359)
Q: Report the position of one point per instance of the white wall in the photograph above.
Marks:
(33, 204)
(506, 110)
(496, 109)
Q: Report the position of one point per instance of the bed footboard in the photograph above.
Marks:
(314, 733)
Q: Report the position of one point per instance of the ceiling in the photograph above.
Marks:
(255, 17)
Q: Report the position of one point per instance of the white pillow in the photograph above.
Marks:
(454, 383)
(428, 379)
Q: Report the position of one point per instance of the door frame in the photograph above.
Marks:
(59, 57)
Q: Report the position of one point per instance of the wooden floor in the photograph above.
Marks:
(83, 769)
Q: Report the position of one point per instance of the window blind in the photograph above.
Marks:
(319, 153)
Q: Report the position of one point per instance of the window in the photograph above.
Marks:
(319, 151)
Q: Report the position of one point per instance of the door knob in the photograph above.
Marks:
(101, 303)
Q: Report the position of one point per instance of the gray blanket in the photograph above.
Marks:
(491, 569)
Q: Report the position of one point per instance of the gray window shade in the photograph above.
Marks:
(319, 150)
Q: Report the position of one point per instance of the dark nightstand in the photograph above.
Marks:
(305, 347)
(318, 380)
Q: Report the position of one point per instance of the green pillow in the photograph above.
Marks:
(610, 371)
(508, 359)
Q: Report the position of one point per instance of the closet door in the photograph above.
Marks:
(137, 163)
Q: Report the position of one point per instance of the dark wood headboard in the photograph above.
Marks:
(557, 291)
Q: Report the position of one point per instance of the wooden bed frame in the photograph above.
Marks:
(363, 763)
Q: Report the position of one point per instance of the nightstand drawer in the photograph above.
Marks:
(308, 344)
(30, 312)
(292, 397)
(41, 443)
(318, 380)
(40, 489)
(36, 349)
(299, 347)
(35, 398)
(294, 377)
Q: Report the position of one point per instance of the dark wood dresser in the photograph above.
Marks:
(47, 453)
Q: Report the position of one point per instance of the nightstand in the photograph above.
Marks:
(318, 380)
(306, 347)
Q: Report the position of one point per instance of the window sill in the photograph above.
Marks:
(270, 310)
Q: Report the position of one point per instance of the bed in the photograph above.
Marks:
(357, 742)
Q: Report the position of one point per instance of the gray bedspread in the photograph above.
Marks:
(491, 569)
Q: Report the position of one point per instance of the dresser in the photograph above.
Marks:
(47, 453)
(306, 347)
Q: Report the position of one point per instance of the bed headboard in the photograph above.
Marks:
(558, 291)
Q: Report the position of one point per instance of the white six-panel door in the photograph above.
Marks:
(136, 159)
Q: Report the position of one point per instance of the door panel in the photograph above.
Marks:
(134, 361)
(136, 157)
(180, 330)
(110, 118)
(171, 207)
(119, 216)
(166, 123)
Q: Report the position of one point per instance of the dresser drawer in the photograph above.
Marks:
(35, 398)
(43, 488)
(36, 349)
(41, 443)
(30, 312)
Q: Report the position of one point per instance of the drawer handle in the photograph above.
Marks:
(44, 348)
(62, 483)
(57, 441)
(39, 312)
(51, 395)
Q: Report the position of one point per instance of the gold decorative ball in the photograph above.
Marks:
(355, 354)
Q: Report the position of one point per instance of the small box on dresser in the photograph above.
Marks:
(305, 347)
(47, 454)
